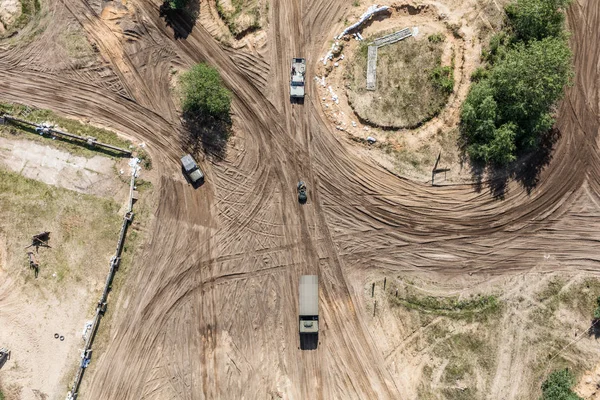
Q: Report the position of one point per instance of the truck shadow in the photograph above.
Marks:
(309, 341)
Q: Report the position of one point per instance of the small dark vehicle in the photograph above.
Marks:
(302, 192)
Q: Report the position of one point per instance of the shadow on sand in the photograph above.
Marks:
(526, 170)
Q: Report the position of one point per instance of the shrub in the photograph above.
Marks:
(597, 310)
(436, 38)
(558, 386)
(443, 78)
(203, 93)
(537, 19)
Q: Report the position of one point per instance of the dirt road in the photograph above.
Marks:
(212, 312)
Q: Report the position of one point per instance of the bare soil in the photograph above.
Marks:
(210, 308)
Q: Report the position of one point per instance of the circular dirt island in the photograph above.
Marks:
(412, 83)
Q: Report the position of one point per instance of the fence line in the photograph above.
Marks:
(86, 354)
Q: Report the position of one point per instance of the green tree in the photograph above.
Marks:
(558, 386)
(527, 81)
(176, 4)
(203, 93)
(537, 19)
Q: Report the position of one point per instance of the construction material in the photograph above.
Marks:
(86, 354)
(298, 70)
(309, 305)
(372, 53)
(47, 129)
(393, 37)
(372, 10)
(372, 68)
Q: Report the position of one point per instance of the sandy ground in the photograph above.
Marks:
(94, 175)
(211, 310)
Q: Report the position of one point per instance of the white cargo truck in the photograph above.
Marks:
(309, 305)
(297, 79)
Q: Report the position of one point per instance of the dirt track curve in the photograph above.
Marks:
(213, 312)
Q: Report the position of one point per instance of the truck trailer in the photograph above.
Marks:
(309, 305)
(297, 79)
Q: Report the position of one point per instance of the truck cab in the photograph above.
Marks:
(298, 72)
(191, 169)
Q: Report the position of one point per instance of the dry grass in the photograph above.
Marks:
(458, 340)
(78, 252)
(243, 16)
(406, 94)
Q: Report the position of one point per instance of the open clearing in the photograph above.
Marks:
(406, 96)
(210, 308)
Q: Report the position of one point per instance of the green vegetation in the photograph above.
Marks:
(436, 37)
(597, 309)
(145, 159)
(443, 78)
(558, 386)
(537, 19)
(203, 93)
(241, 16)
(510, 105)
(477, 308)
(65, 124)
(28, 9)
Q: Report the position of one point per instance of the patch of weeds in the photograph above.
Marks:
(143, 185)
(145, 159)
(443, 78)
(436, 38)
(476, 308)
(479, 74)
(28, 9)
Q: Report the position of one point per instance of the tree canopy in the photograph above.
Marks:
(510, 104)
(558, 386)
(537, 19)
(203, 93)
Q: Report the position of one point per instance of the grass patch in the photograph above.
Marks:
(412, 84)
(241, 16)
(78, 252)
(477, 308)
(65, 124)
(28, 10)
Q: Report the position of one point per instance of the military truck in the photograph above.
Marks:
(302, 192)
(297, 79)
(191, 169)
(309, 305)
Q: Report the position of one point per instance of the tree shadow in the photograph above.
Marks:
(594, 329)
(525, 170)
(182, 21)
(206, 133)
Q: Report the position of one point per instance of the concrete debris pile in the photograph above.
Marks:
(372, 10)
